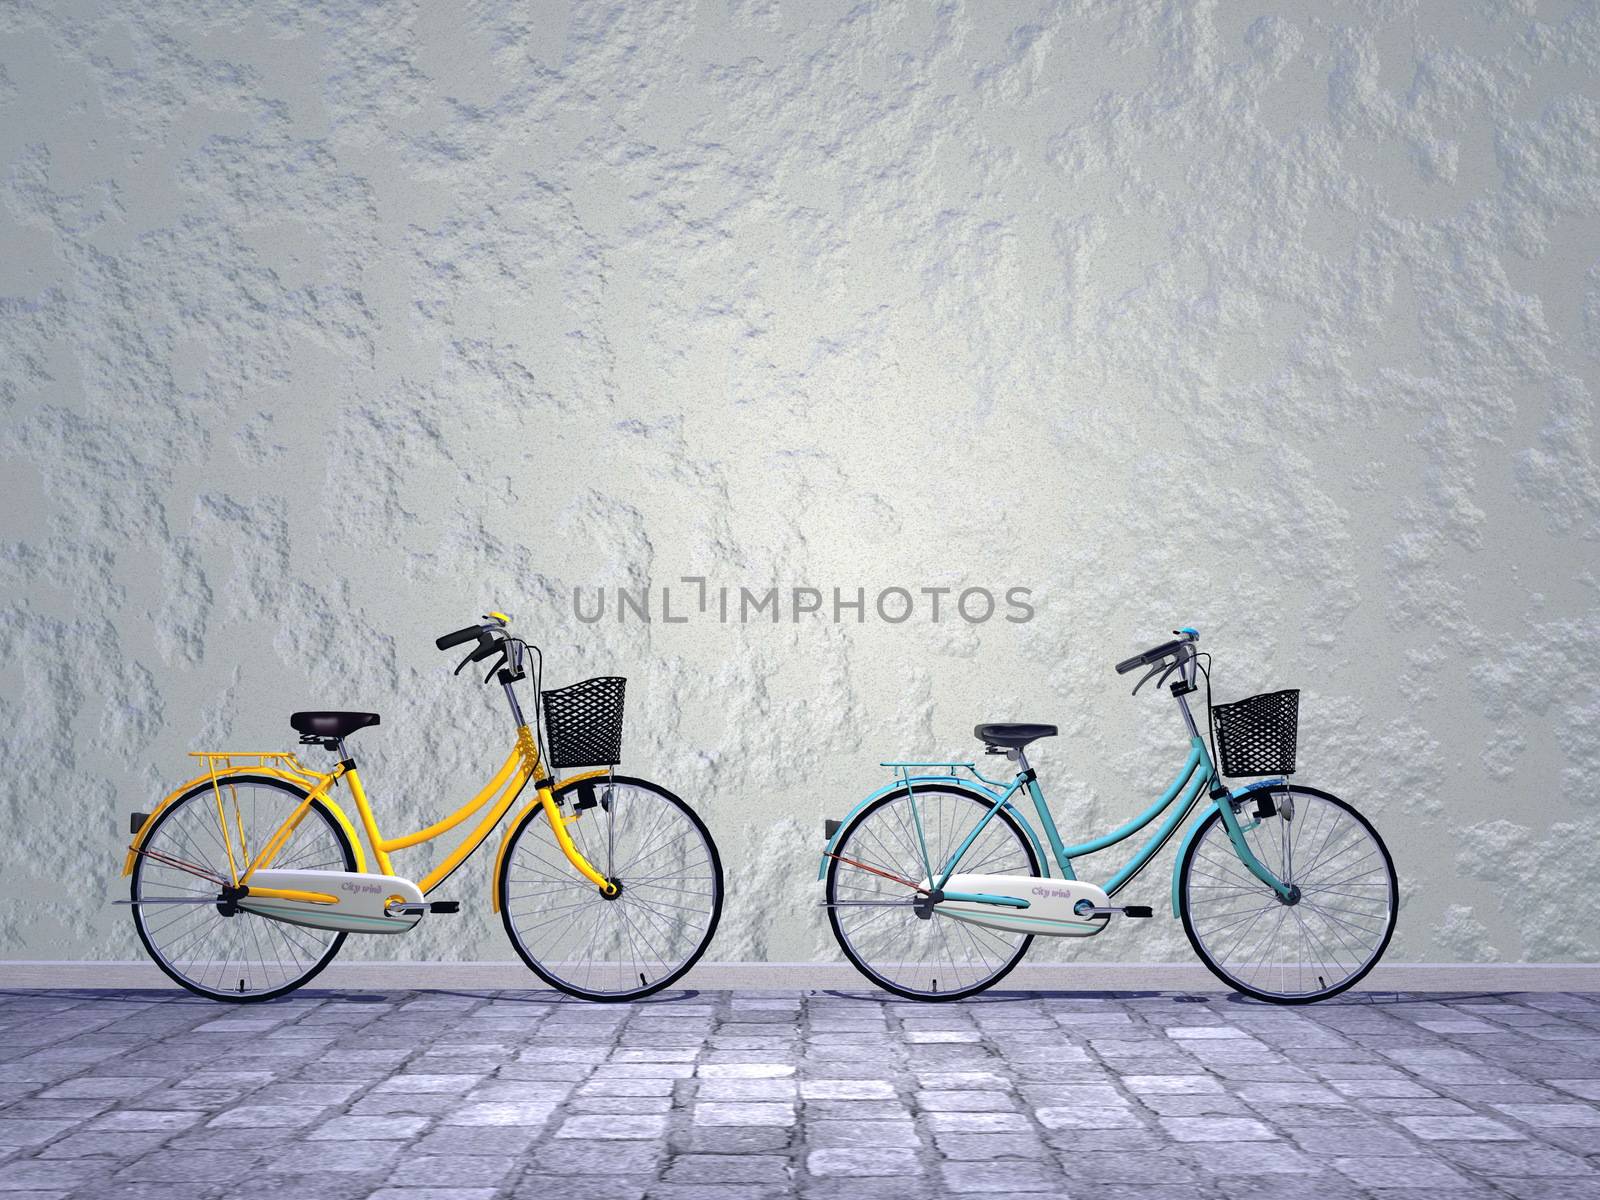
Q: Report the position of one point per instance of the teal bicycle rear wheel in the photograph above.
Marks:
(909, 949)
(1338, 922)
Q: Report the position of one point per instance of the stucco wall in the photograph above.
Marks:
(325, 327)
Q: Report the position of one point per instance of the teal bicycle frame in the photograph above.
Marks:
(1197, 775)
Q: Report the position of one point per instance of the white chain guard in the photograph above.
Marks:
(360, 905)
(1050, 905)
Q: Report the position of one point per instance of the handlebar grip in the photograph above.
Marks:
(460, 636)
(1152, 655)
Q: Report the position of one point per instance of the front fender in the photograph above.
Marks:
(1183, 849)
(1193, 831)
(943, 781)
(309, 782)
(515, 822)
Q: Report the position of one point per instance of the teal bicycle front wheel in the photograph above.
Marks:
(1338, 921)
(911, 948)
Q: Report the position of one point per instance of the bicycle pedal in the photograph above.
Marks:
(1138, 910)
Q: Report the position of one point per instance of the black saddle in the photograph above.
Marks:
(330, 724)
(1012, 737)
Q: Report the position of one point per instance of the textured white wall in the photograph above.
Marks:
(324, 327)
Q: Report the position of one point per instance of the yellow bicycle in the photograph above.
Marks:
(245, 881)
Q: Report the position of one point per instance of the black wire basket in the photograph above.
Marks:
(1256, 736)
(583, 723)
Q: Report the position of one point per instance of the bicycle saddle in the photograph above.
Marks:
(1012, 737)
(330, 724)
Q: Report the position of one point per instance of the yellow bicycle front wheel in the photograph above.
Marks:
(668, 877)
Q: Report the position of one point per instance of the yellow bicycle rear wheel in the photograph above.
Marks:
(188, 927)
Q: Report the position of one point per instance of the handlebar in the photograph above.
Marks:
(492, 639)
(459, 637)
(1186, 638)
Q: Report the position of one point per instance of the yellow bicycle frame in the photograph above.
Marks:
(497, 796)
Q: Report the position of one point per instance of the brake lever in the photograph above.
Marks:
(487, 645)
(1150, 674)
(496, 667)
(1164, 668)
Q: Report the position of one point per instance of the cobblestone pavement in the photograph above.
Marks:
(753, 1094)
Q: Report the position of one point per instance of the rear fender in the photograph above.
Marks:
(309, 782)
(943, 783)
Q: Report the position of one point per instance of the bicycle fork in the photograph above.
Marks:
(553, 814)
(1224, 801)
(1283, 888)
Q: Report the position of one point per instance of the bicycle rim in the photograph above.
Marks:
(241, 956)
(1291, 953)
(874, 918)
(670, 877)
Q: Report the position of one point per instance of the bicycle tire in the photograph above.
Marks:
(856, 960)
(140, 925)
(1196, 940)
(503, 884)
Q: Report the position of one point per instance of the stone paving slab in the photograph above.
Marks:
(489, 1095)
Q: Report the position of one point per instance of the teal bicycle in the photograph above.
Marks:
(937, 884)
